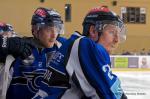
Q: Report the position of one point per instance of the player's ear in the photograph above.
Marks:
(92, 33)
(34, 30)
(91, 30)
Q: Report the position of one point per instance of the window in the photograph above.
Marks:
(42, 1)
(133, 15)
(68, 12)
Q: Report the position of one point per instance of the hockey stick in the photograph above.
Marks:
(6, 76)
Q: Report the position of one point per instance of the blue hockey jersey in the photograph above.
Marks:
(85, 65)
(89, 72)
(28, 73)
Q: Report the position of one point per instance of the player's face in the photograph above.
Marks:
(48, 36)
(110, 37)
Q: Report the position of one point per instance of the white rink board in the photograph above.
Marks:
(136, 84)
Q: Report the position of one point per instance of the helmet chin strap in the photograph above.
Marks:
(99, 34)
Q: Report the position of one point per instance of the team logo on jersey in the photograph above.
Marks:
(50, 55)
(31, 79)
(57, 57)
(56, 78)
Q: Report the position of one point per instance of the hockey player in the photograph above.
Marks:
(10, 48)
(86, 63)
(15, 45)
(6, 30)
(46, 27)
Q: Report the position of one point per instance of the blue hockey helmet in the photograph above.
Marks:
(49, 17)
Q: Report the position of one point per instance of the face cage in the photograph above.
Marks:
(100, 25)
(59, 26)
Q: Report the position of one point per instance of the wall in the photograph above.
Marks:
(19, 13)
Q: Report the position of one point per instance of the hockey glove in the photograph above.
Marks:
(17, 46)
